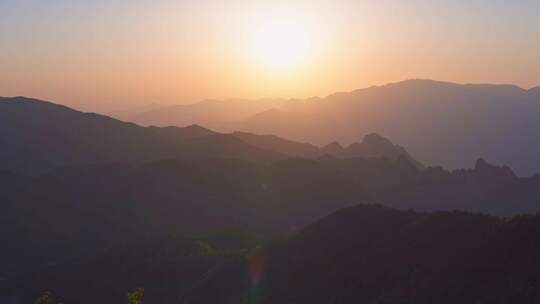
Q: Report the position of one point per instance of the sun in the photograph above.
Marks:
(281, 44)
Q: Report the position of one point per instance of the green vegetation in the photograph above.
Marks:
(46, 298)
(135, 297)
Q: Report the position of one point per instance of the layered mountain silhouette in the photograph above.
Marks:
(38, 135)
(372, 146)
(440, 123)
(372, 254)
(366, 253)
(210, 113)
(93, 206)
(71, 212)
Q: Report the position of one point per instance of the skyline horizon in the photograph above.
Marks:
(112, 111)
(282, 151)
(100, 55)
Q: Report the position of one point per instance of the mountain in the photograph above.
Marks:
(373, 254)
(365, 253)
(535, 91)
(275, 143)
(210, 113)
(88, 201)
(167, 267)
(300, 125)
(486, 188)
(440, 123)
(38, 135)
(130, 112)
(372, 146)
(70, 212)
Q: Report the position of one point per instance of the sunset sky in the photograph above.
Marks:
(113, 54)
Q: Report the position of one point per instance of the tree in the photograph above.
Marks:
(135, 297)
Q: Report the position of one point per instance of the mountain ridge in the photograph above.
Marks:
(375, 254)
(40, 135)
(495, 121)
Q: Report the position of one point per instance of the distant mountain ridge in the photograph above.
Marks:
(92, 207)
(75, 208)
(440, 123)
(372, 146)
(210, 113)
(37, 135)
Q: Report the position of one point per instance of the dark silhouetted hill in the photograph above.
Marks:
(372, 254)
(71, 211)
(38, 135)
(167, 267)
(365, 253)
(109, 198)
(74, 210)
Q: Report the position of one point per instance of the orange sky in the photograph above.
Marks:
(107, 55)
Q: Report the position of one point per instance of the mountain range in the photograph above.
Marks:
(71, 212)
(365, 253)
(93, 207)
(440, 123)
(38, 135)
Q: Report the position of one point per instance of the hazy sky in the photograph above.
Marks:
(112, 54)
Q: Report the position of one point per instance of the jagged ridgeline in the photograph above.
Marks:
(440, 123)
(93, 207)
(38, 136)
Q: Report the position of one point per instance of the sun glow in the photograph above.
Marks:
(281, 44)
